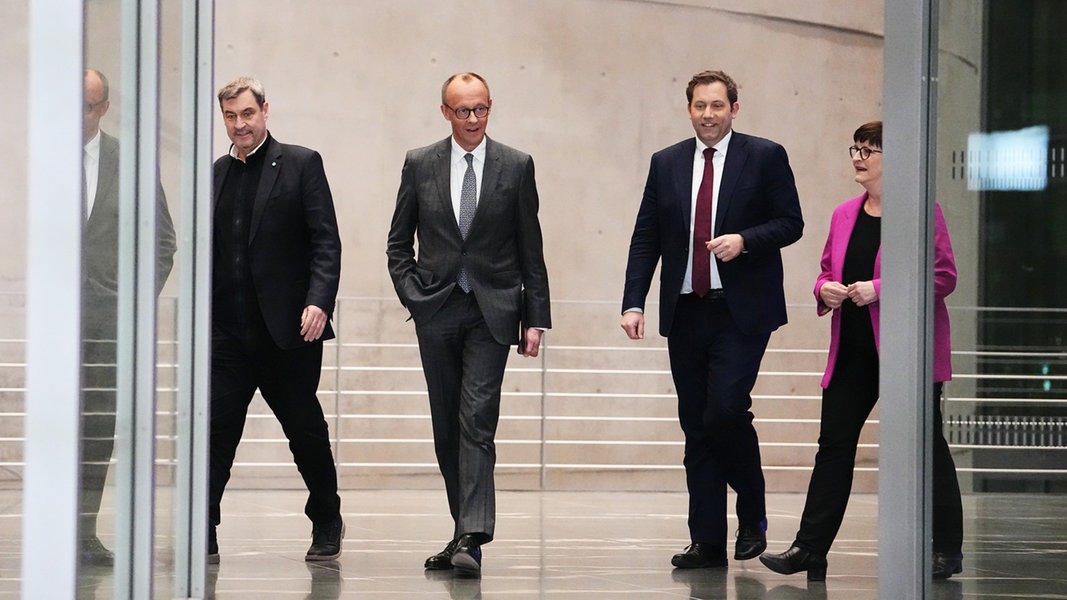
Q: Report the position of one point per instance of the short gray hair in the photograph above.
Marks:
(237, 87)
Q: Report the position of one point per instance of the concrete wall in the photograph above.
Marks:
(590, 88)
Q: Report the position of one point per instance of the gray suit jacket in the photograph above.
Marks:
(101, 242)
(503, 252)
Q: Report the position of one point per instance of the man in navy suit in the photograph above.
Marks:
(276, 268)
(717, 209)
(477, 284)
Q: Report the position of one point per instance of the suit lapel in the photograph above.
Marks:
(683, 178)
(736, 156)
(492, 176)
(442, 178)
(272, 165)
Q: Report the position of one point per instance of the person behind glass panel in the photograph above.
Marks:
(849, 289)
(100, 282)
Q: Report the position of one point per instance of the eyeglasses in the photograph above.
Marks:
(90, 106)
(480, 112)
(864, 152)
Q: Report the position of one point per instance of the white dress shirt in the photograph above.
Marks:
(459, 168)
(91, 165)
(719, 161)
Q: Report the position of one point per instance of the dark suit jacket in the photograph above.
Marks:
(503, 251)
(294, 248)
(757, 199)
(101, 243)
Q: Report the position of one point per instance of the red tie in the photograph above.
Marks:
(702, 228)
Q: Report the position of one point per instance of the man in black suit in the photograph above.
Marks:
(717, 315)
(472, 204)
(100, 306)
(277, 263)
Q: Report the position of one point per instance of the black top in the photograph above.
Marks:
(235, 308)
(857, 333)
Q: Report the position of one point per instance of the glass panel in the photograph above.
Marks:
(171, 71)
(104, 93)
(13, 159)
(108, 212)
(1002, 126)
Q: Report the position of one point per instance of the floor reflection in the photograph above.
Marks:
(458, 588)
(704, 584)
(576, 546)
(325, 580)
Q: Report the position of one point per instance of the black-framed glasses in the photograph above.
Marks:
(864, 152)
(464, 113)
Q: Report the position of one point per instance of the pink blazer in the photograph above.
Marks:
(833, 261)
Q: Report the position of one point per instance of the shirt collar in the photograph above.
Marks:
(233, 150)
(92, 147)
(720, 148)
(458, 152)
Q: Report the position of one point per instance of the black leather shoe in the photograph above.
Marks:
(751, 542)
(700, 556)
(947, 565)
(93, 553)
(212, 547)
(795, 560)
(326, 540)
(443, 559)
(467, 559)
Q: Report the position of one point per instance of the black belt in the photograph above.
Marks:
(716, 294)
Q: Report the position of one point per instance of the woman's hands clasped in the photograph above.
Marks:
(861, 293)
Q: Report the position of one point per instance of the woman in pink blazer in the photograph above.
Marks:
(849, 288)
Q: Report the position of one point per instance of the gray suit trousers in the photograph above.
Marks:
(464, 368)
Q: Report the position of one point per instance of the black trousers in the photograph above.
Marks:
(714, 365)
(288, 381)
(846, 404)
(464, 369)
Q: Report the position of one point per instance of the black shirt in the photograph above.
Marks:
(235, 308)
(857, 333)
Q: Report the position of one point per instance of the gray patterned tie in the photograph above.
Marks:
(468, 202)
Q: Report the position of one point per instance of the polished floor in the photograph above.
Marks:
(583, 545)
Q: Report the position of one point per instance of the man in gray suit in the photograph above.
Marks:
(477, 285)
(100, 285)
